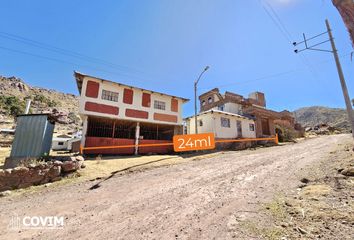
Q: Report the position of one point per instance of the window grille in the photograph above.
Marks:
(225, 122)
(159, 105)
(110, 96)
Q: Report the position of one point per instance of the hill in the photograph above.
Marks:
(14, 92)
(312, 116)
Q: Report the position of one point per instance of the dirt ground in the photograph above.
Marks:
(219, 197)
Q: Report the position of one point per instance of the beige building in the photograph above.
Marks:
(116, 114)
(223, 124)
(253, 107)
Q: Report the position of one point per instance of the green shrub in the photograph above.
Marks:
(286, 132)
(12, 105)
(45, 100)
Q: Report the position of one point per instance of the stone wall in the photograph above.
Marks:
(36, 174)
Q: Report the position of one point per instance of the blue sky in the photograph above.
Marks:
(163, 46)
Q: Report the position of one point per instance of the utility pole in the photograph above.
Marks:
(341, 78)
(195, 99)
(339, 67)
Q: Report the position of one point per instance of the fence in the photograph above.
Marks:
(274, 139)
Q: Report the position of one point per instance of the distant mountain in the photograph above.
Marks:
(14, 92)
(312, 116)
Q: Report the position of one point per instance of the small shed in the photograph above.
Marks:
(60, 143)
(33, 138)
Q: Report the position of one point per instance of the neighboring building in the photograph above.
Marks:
(59, 143)
(223, 124)
(63, 143)
(117, 114)
(248, 109)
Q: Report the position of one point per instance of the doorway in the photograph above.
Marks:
(239, 128)
(265, 126)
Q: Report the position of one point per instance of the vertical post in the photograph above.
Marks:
(28, 105)
(157, 132)
(341, 78)
(137, 135)
(114, 129)
(276, 139)
(195, 109)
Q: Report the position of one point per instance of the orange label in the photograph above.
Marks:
(190, 142)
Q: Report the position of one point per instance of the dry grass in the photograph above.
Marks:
(4, 153)
(106, 166)
(316, 190)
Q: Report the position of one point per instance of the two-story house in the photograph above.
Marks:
(230, 115)
(116, 114)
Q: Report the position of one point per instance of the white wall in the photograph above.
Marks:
(212, 123)
(56, 146)
(231, 108)
(137, 100)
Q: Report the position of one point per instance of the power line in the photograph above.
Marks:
(274, 75)
(275, 22)
(65, 51)
(64, 61)
(280, 21)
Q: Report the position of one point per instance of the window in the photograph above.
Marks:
(200, 123)
(210, 99)
(60, 143)
(159, 105)
(203, 103)
(221, 107)
(252, 127)
(110, 96)
(225, 122)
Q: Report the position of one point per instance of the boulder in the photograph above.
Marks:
(70, 166)
(5, 193)
(53, 173)
(20, 171)
(57, 163)
(79, 158)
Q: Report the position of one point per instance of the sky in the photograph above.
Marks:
(164, 45)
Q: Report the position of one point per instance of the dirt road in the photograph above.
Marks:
(196, 200)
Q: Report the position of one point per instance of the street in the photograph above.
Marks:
(202, 199)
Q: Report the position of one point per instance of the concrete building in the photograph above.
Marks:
(223, 124)
(246, 111)
(60, 143)
(117, 114)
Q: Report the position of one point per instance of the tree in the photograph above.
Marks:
(346, 10)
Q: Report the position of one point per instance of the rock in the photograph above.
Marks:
(58, 163)
(79, 158)
(70, 166)
(19, 170)
(5, 193)
(302, 231)
(348, 172)
(53, 173)
(304, 180)
(83, 165)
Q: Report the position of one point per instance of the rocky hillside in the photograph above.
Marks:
(13, 95)
(316, 115)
